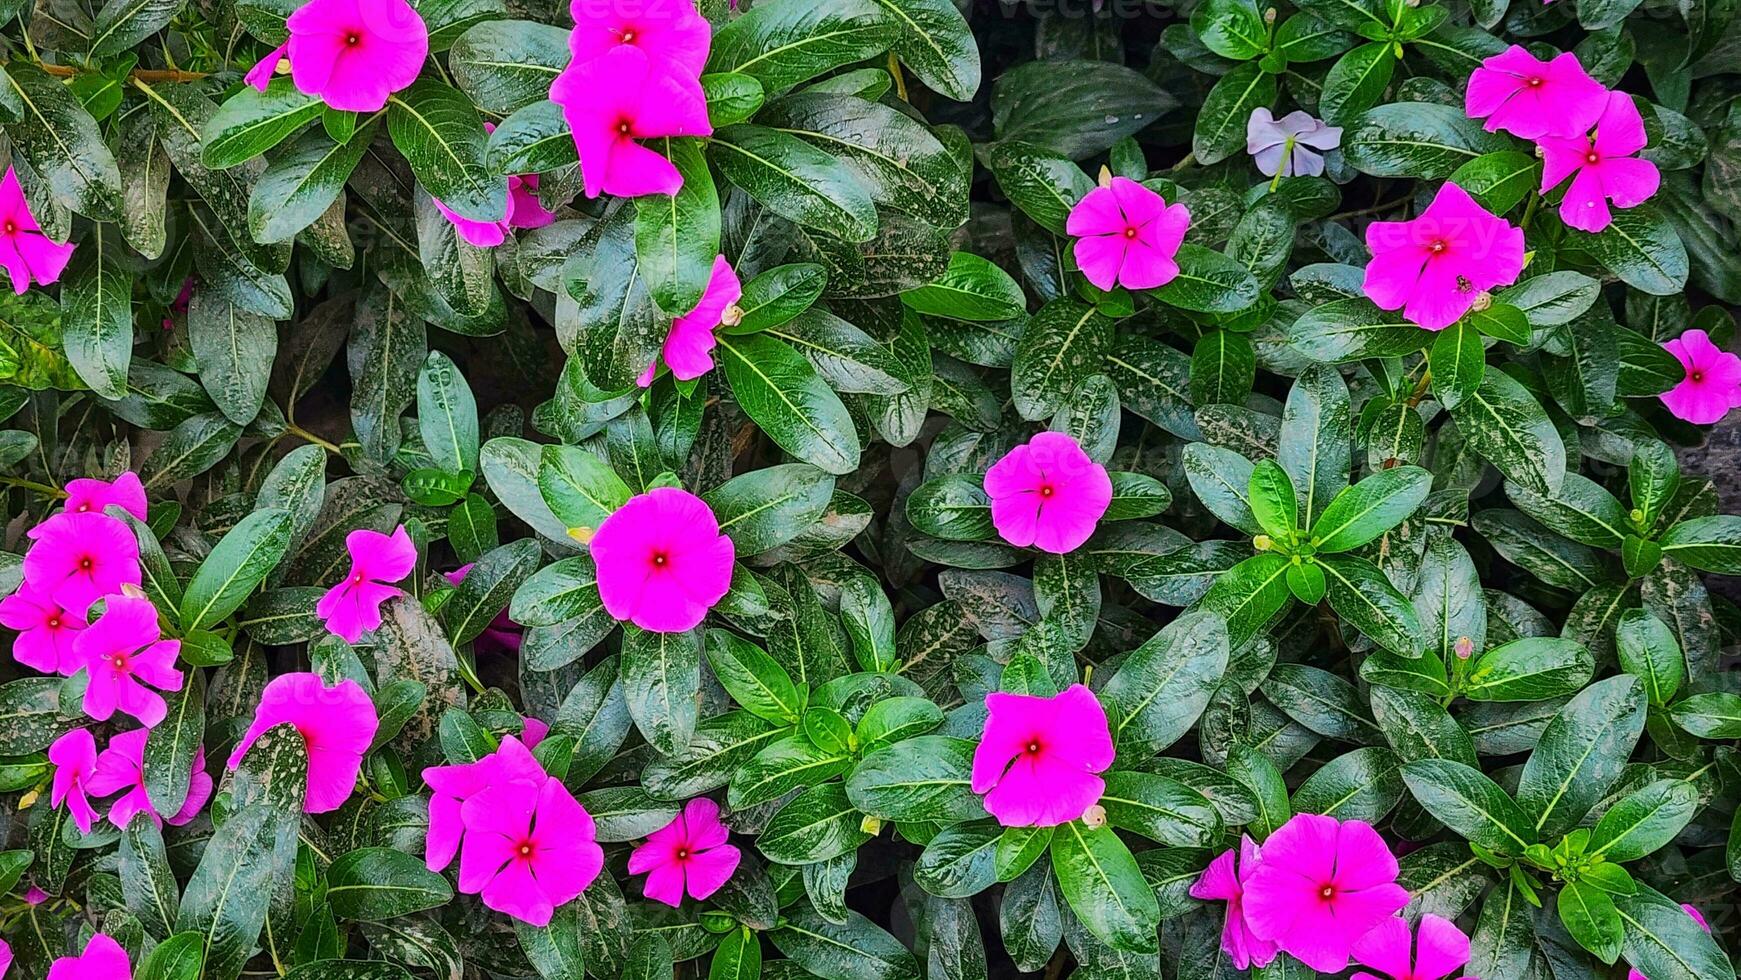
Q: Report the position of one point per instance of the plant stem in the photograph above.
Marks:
(137, 75)
(900, 80)
(307, 436)
(43, 488)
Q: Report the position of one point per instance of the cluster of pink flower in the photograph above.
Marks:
(634, 73)
(1127, 235)
(1048, 494)
(1579, 127)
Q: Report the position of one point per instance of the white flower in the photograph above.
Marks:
(1291, 146)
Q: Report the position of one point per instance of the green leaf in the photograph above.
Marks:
(1642, 248)
(376, 883)
(240, 561)
(1360, 785)
(1100, 879)
(227, 896)
(853, 950)
(1711, 544)
(1713, 715)
(796, 180)
(1231, 28)
(1506, 425)
(973, 289)
(783, 42)
(1458, 363)
(234, 349)
(172, 747)
(922, 778)
(1649, 651)
(1581, 753)
(580, 488)
(487, 588)
(753, 679)
(61, 143)
(1660, 937)
(661, 675)
(1644, 820)
(1063, 344)
(779, 390)
(1043, 184)
(1208, 282)
(1354, 329)
(1220, 127)
(506, 65)
(818, 824)
(251, 122)
(1425, 140)
(443, 139)
(1163, 686)
(1316, 435)
(98, 329)
(1470, 804)
(1530, 668)
(677, 235)
(1272, 500)
(1589, 915)
(1356, 82)
(1362, 512)
(1160, 809)
(1499, 181)
(763, 509)
(776, 296)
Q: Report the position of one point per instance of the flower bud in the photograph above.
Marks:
(1464, 647)
(1637, 515)
(582, 534)
(1105, 178)
(1262, 542)
(870, 825)
(1269, 16)
(733, 315)
(1483, 300)
(1094, 817)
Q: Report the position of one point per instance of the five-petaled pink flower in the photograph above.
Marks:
(45, 631)
(1434, 267)
(1605, 167)
(77, 559)
(451, 786)
(662, 562)
(351, 54)
(1224, 880)
(689, 854)
(125, 492)
(1433, 953)
(25, 251)
(1126, 235)
(1037, 757)
(336, 724)
(1632, 974)
(528, 848)
(1319, 886)
(121, 768)
(614, 100)
(672, 34)
(124, 650)
(103, 959)
(503, 634)
(75, 760)
(353, 606)
(689, 344)
(1047, 493)
(1524, 97)
(1712, 384)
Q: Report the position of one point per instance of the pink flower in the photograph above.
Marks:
(103, 959)
(336, 724)
(35, 895)
(1290, 146)
(662, 562)
(451, 786)
(124, 650)
(528, 848)
(45, 631)
(1713, 382)
(1433, 268)
(1438, 950)
(79, 558)
(25, 251)
(353, 606)
(1606, 169)
(532, 731)
(1126, 235)
(121, 767)
(1047, 493)
(1037, 757)
(524, 211)
(260, 76)
(672, 34)
(1635, 975)
(75, 760)
(126, 492)
(1524, 97)
(352, 54)
(1321, 885)
(614, 100)
(688, 854)
(177, 307)
(503, 634)
(688, 344)
(5, 958)
(1224, 881)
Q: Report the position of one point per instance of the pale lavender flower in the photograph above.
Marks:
(1291, 146)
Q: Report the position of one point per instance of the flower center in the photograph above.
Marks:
(624, 127)
(1047, 491)
(353, 39)
(82, 507)
(1327, 892)
(357, 579)
(682, 853)
(119, 661)
(660, 559)
(54, 622)
(1034, 747)
(1437, 245)
(1695, 375)
(525, 849)
(11, 226)
(629, 36)
(1130, 233)
(1534, 83)
(1591, 157)
(86, 563)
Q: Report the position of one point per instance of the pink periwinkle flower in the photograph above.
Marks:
(689, 854)
(125, 492)
(1126, 235)
(1224, 880)
(1434, 267)
(1037, 758)
(1524, 97)
(25, 251)
(121, 769)
(75, 761)
(1605, 167)
(45, 631)
(503, 634)
(77, 559)
(275, 63)
(524, 211)
(1632, 974)
(353, 606)
(103, 959)
(336, 724)
(451, 786)
(528, 848)
(662, 562)
(1321, 885)
(1434, 952)
(1047, 493)
(689, 345)
(616, 99)
(1291, 146)
(177, 307)
(532, 731)
(1712, 384)
(672, 34)
(35, 895)
(352, 54)
(124, 651)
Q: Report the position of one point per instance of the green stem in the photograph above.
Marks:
(42, 488)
